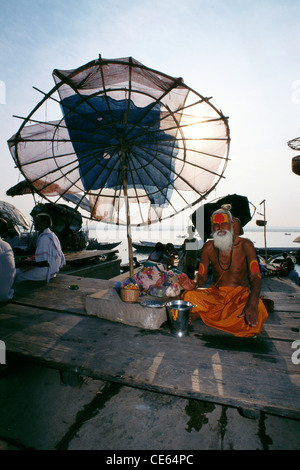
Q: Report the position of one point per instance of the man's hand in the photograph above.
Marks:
(186, 282)
(250, 314)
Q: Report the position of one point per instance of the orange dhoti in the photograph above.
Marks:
(220, 308)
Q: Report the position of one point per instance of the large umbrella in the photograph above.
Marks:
(238, 205)
(24, 187)
(139, 145)
(13, 216)
(61, 215)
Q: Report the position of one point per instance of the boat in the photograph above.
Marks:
(93, 244)
(142, 248)
(277, 259)
(136, 264)
(146, 246)
(266, 267)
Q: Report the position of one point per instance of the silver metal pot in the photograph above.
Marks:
(179, 313)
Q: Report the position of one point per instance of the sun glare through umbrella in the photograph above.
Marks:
(115, 129)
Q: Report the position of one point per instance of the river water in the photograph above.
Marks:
(276, 237)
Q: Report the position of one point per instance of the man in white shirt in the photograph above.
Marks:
(48, 258)
(7, 266)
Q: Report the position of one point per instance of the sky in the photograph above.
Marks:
(245, 54)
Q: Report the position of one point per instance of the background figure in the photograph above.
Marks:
(291, 272)
(157, 252)
(170, 256)
(48, 258)
(191, 253)
(7, 265)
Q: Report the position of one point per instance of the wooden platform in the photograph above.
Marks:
(48, 325)
(98, 264)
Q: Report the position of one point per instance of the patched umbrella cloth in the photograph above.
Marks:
(13, 216)
(115, 137)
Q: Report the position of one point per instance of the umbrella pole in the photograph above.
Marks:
(129, 237)
(265, 224)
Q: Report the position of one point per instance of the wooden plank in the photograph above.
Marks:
(220, 368)
(103, 270)
(88, 254)
(58, 295)
(274, 284)
(95, 299)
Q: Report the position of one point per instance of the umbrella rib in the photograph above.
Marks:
(48, 123)
(178, 111)
(74, 108)
(65, 175)
(84, 99)
(156, 101)
(189, 163)
(154, 184)
(171, 182)
(194, 123)
(170, 113)
(134, 185)
(56, 156)
(200, 152)
(102, 188)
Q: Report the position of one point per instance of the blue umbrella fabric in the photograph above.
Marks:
(129, 140)
(96, 127)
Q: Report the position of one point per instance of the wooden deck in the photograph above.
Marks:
(98, 264)
(49, 325)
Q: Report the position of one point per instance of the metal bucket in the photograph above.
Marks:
(179, 313)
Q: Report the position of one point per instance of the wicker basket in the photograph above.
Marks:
(129, 295)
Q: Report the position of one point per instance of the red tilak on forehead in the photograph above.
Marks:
(219, 218)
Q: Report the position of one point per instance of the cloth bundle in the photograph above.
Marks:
(155, 274)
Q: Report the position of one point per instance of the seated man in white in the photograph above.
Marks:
(7, 266)
(48, 258)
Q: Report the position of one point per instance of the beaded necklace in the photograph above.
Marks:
(230, 260)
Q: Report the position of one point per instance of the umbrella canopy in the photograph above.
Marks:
(62, 216)
(23, 187)
(66, 224)
(13, 216)
(294, 144)
(239, 207)
(140, 146)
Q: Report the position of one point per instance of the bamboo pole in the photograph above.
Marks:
(129, 236)
(265, 228)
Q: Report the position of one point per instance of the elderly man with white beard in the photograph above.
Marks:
(232, 303)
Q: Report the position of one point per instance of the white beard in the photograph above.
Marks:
(223, 242)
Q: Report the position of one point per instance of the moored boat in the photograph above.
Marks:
(146, 246)
(93, 244)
